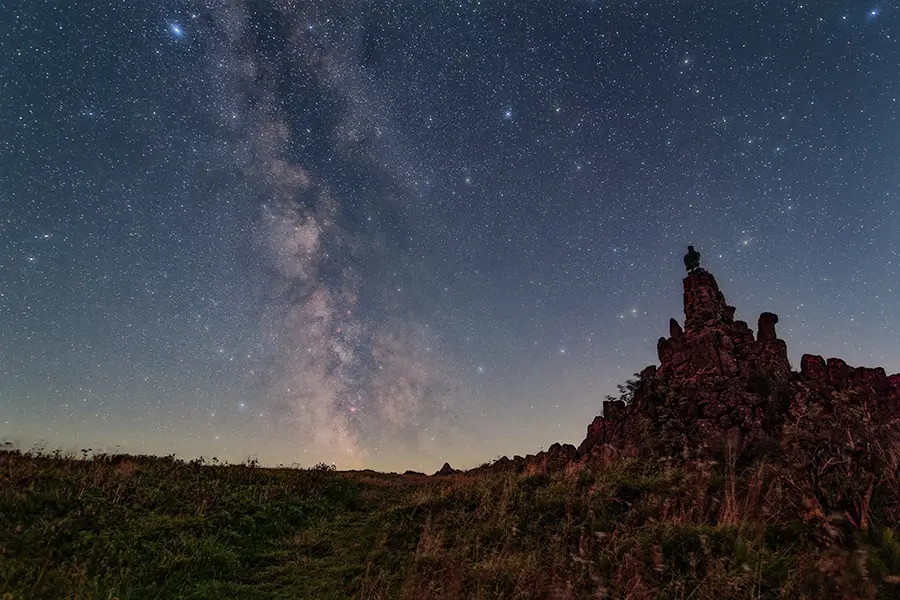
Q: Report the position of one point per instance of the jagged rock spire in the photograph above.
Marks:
(720, 378)
(704, 303)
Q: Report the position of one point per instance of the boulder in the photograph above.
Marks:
(812, 368)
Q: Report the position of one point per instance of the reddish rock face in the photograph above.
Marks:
(894, 380)
(813, 368)
(875, 379)
(715, 382)
(704, 304)
(838, 372)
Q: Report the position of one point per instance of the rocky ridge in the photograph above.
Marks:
(718, 384)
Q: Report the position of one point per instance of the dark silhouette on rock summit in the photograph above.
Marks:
(691, 259)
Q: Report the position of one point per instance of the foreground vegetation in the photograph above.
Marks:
(141, 527)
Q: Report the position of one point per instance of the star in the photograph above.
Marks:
(279, 225)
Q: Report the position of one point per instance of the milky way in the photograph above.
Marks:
(392, 234)
(349, 369)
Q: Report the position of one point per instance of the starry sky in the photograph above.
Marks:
(394, 233)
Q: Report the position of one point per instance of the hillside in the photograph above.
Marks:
(719, 473)
(133, 528)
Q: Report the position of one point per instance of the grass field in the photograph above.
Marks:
(141, 527)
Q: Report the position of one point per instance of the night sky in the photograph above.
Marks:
(392, 234)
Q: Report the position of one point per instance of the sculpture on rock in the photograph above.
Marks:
(691, 260)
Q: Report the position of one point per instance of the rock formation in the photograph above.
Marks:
(555, 458)
(717, 383)
(446, 470)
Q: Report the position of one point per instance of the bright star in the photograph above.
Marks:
(507, 114)
(176, 30)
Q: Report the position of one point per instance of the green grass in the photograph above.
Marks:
(140, 528)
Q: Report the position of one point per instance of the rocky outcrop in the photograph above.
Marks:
(446, 470)
(556, 458)
(894, 380)
(835, 374)
(812, 368)
(608, 428)
(716, 382)
(559, 455)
